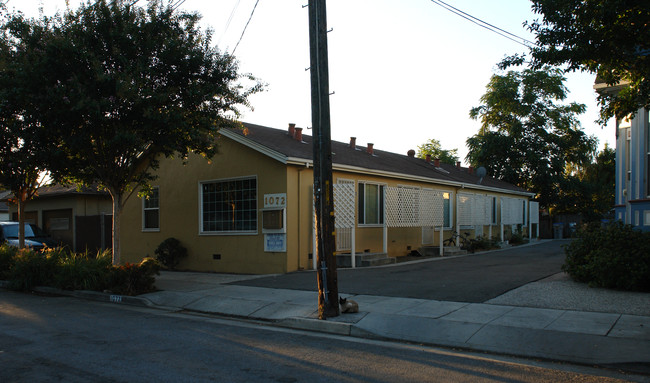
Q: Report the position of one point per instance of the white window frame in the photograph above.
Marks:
(145, 209)
(381, 204)
(255, 209)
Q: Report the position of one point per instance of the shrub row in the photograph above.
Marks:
(25, 269)
(614, 256)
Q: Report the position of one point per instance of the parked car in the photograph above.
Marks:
(35, 237)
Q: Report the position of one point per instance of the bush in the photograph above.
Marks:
(134, 279)
(7, 255)
(517, 238)
(26, 269)
(32, 269)
(83, 272)
(480, 243)
(170, 252)
(614, 256)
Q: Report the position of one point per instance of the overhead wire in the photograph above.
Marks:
(245, 27)
(232, 14)
(484, 24)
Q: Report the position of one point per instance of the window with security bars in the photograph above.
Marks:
(151, 211)
(229, 206)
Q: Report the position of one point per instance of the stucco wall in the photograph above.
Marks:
(179, 190)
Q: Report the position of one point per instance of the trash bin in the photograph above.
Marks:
(558, 228)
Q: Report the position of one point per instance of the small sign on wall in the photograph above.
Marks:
(275, 243)
(278, 200)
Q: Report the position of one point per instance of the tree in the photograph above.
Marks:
(434, 148)
(22, 168)
(122, 86)
(527, 137)
(610, 38)
(589, 190)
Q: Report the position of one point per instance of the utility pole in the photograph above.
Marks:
(328, 294)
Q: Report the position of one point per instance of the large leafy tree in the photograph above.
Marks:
(527, 135)
(122, 86)
(434, 148)
(589, 190)
(22, 162)
(610, 38)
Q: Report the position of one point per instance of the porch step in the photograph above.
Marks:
(364, 259)
(454, 250)
(435, 251)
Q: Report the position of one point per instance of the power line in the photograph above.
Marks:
(246, 26)
(232, 13)
(484, 24)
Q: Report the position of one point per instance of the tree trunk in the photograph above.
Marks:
(117, 211)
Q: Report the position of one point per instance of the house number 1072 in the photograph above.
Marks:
(275, 200)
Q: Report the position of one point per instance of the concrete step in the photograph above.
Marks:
(363, 259)
(453, 250)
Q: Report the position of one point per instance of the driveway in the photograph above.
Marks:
(474, 278)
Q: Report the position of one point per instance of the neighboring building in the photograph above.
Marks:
(632, 204)
(4, 208)
(78, 218)
(249, 210)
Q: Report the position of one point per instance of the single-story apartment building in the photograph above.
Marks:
(250, 208)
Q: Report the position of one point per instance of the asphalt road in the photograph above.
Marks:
(61, 339)
(474, 278)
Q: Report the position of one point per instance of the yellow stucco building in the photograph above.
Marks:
(249, 209)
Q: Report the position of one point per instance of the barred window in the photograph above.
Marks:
(229, 206)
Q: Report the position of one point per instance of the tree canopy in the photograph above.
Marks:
(589, 190)
(527, 135)
(434, 148)
(610, 38)
(121, 86)
(22, 161)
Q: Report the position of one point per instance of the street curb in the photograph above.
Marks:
(319, 325)
(91, 295)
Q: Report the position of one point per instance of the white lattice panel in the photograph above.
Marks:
(512, 211)
(344, 205)
(533, 212)
(465, 209)
(408, 207)
(401, 205)
(432, 209)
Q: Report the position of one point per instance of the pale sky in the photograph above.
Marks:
(402, 72)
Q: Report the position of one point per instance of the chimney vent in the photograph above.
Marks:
(428, 157)
(370, 149)
(411, 153)
(292, 130)
(353, 142)
(458, 164)
(436, 162)
(299, 134)
(471, 170)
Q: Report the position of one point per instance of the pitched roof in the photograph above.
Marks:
(58, 189)
(278, 144)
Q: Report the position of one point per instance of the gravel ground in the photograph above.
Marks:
(560, 292)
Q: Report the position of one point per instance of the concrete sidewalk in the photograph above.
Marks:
(616, 340)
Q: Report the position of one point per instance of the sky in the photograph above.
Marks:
(401, 72)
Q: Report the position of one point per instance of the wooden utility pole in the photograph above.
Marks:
(328, 294)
